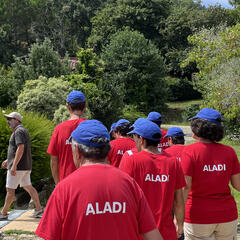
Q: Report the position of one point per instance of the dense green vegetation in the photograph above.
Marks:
(129, 57)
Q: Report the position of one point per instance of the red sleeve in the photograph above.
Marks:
(236, 165)
(187, 164)
(126, 164)
(50, 226)
(145, 218)
(52, 147)
(180, 180)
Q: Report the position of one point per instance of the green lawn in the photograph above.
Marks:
(184, 104)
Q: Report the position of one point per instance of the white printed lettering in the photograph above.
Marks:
(120, 152)
(107, 208)
(114, 207)
(214, 168)
(90, 209)
(157, 178)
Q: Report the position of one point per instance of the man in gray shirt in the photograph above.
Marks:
(19, 165)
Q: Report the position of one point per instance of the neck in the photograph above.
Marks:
(75, 115)
(88, 162)
(151, 149)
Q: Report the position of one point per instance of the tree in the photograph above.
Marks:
(43, 95)
(135, 68)
(41, 60)
(144, 16)
(67, 23)
(216, 53)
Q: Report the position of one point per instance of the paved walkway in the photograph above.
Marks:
(186, 129)
(20, 220)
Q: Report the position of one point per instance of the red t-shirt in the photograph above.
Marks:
(96, 202)
(159, 175)
(118, 147)
(211, 166)
(175, 150)
(61, 147)
(163, 144)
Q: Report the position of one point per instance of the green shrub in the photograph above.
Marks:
(181, 89)
(43, 95)
(40, 130)
(190, 111)
(131, 113)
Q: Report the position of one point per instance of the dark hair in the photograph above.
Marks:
(77, 106)
(150, 142)
(158, 123)
(207, 130)
(95, 153)
(177, 139)
(124, 129)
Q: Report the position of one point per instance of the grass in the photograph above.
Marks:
(18, 232)
(184, 104)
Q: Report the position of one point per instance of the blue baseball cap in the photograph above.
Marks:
(154, 116)
(146, 129)
(175, 132)
(76, 97)
(121, 122)
(210, 115)
(112, 127)
(91, 133)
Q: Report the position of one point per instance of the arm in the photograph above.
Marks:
(235, 181)
(186, 189)
(152, 235)
(4, 164)
(18, 156)
(179, 210)
(54, 168)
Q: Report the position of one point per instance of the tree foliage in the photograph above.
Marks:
(43, 95)
(144, 16)
(216, 53)
(41, 60)
(135, 67)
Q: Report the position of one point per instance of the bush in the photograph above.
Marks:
(40, 130)
(190, 111)
(43, 95)
(181, 89)
(131, 113)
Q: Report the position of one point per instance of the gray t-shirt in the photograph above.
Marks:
(20, 136)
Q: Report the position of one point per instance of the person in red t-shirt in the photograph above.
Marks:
(157, 118)
(60, 147)
(122, 143)
(176, 142)
(159, 175)
(208, 166)
(175, 136)
(97, 201)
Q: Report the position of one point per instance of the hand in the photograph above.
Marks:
(13, 171)
(179, 229)
(4, 164)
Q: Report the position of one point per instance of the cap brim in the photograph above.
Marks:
(7, 116)
(131, 132)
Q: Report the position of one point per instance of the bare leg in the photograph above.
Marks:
(34, 195)
(8, 200)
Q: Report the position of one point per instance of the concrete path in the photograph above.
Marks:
(186, 129)
(20, 220)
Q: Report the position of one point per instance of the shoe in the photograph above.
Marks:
(3, 217)
(37, 214)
